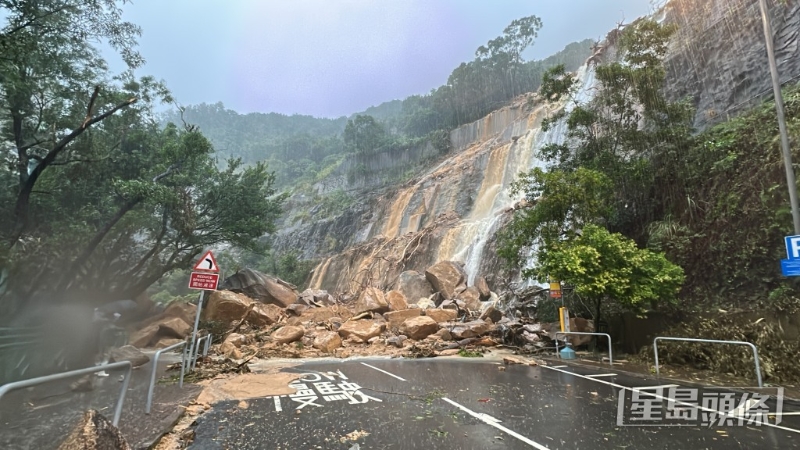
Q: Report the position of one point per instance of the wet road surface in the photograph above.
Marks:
(462, 404)
(40, 418)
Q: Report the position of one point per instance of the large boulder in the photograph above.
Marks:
(472, 298)
(483, 288)
(414, 286)
(144, 337)
(445, 277)
(371, 300)
(287, 334)
(492, 314)
(441, 315)
(174, 327)
(129, 353)
(316, 297)
(361, 329)
(419, 327)
(469, 329)
(226, 306)
(262, 315)
(94, 432)
(165, 342)
(185, 311)
(396, 300)
(327, 341)
(396, 318)
(261, 287)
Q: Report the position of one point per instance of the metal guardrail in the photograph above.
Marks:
(610, 356)
(207, 339)
(152, 386)
(6, 388)
(710, 341)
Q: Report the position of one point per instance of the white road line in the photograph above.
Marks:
(660, 397)
(489, 420)
(598, 375)
(381, 370)
(559, 367)
(277, 401)
(648, 388)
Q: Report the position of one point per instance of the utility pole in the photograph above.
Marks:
(776, 86)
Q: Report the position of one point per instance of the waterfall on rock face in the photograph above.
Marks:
(467, 241)
(319, 274)
(557, 134)
(397, 211)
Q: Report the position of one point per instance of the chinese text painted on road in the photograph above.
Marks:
(317, 389)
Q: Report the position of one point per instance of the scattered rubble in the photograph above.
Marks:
(94, 432)
(405, 321)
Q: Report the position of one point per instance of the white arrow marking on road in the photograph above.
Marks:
(489, 420)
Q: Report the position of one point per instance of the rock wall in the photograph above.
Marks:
(453, 210)
(718, 59)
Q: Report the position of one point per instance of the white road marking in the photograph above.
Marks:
(381, 370)
(489, 420)
(277, 401)
(660, 397)
(560, 367)
(793, 413)
(648, 388)
(598, 375)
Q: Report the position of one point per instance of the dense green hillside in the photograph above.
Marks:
(302, 149)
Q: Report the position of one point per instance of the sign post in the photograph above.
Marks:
(204, 277)
(790, 267)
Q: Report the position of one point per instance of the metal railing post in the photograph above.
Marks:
(710, 341)
(155, 369)
(6, 388)
(207, 346)
(608, 336)
(183, 364)
(197, 351)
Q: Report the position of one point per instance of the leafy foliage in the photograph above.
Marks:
(715, 202)
(603, 265)
(99, 200)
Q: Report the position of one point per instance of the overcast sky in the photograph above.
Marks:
(330, 58)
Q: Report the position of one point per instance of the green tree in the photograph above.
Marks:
(364, 134)
(98, 200)
(607, 267)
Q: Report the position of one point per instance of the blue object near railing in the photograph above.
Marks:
(610, 356)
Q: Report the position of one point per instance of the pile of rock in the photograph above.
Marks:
(265, 317)
(436, 310)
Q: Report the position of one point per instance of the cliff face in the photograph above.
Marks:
(718, 59)
(452, 210)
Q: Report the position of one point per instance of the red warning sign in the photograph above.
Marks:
(207, 263)
(204, 281)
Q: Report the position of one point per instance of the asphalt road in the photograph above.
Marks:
(464, 403)
(40, 418)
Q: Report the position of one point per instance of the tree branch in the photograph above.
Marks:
(23, 198)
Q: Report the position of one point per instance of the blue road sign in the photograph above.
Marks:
(792, 247)
(790, 267)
